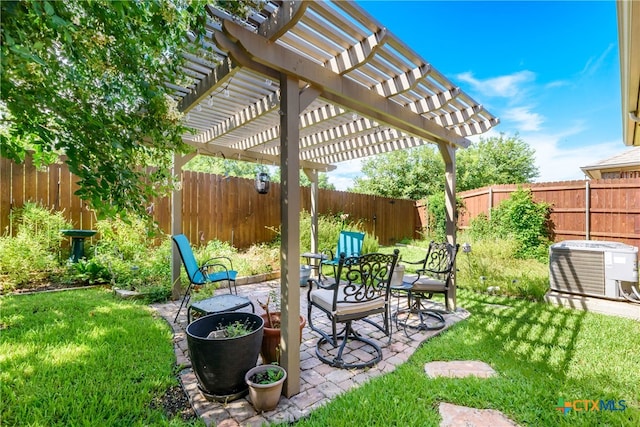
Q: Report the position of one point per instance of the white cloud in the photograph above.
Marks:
(509, 86)
(594, 64)
(342, 177)
(524, 119)
(557, 161)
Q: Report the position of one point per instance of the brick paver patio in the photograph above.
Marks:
(319, 383)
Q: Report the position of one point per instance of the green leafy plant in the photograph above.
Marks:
(33, 253)
(268, 376)
(239, 328)
(436, 206)
(90, 271)
(519, 218)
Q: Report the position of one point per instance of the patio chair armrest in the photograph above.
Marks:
(221, 257)
(322, 285)
(206, 266)
(421, 262)
(328, 253)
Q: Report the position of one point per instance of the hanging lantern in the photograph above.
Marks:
(262, 182)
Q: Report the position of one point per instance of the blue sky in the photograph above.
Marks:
(549, 70)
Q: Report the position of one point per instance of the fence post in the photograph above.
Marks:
(587, 208)
(490, 202)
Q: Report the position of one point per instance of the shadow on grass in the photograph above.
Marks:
(82, 357)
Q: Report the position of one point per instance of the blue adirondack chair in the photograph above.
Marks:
(349, 244)
(214, 270)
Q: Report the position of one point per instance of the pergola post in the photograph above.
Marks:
(290, 223)
(176, 221)
(449, 156)
(312, 174)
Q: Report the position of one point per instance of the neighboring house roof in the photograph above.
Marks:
(629, 42)
(627, 161)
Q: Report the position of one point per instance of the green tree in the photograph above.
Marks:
(323, 180)
(87, 79)
(419, 173)
(495, 160)
(242, 169)
(410, 174)
(225, 167)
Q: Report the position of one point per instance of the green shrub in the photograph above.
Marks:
(124, 256)
(527, 221)
(33, 254)
(436, 208)
(519, 218)
(492, 266)
(480, 227)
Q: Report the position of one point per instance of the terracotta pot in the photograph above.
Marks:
(271, 338)
(265, 397)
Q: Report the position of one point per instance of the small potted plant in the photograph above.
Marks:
(270, 349)
(265, 386)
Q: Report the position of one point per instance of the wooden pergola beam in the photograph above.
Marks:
(334, 87)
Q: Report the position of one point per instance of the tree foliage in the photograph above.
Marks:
(88, 80)
(495, 160)
(411, 174)
(419, 173)
(242, 169)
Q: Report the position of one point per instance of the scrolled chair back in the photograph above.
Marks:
(440, 258)
(365, 277)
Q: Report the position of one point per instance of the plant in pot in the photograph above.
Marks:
(270, 348)
(223, 347)
(265, 386)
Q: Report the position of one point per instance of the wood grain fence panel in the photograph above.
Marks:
(41, 186)
(195, 214)
(54, 186)
(217, 205)
(204, 205)
(30, 181)
(614, 211)
(6, 186)
(17, 179)
(227, 208)
(64, 190)
(245, 226)
(224, 202)
(76, 203)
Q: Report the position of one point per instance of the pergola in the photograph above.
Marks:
(305, 85)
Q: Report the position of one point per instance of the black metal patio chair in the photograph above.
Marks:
(359, 291)
(434, 277)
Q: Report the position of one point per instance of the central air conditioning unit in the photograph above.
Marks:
(594, 268)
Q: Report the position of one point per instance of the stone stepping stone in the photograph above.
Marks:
(126, 294)
(454, 416)
(459, 369)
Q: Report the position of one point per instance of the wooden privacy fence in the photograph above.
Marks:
(213, 206)
(599, 209)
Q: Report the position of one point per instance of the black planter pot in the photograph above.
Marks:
(221, 364)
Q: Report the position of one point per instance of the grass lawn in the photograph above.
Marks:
(542, 354)
(82, 357)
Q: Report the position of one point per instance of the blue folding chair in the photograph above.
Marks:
(349, 244)
(214, 270)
